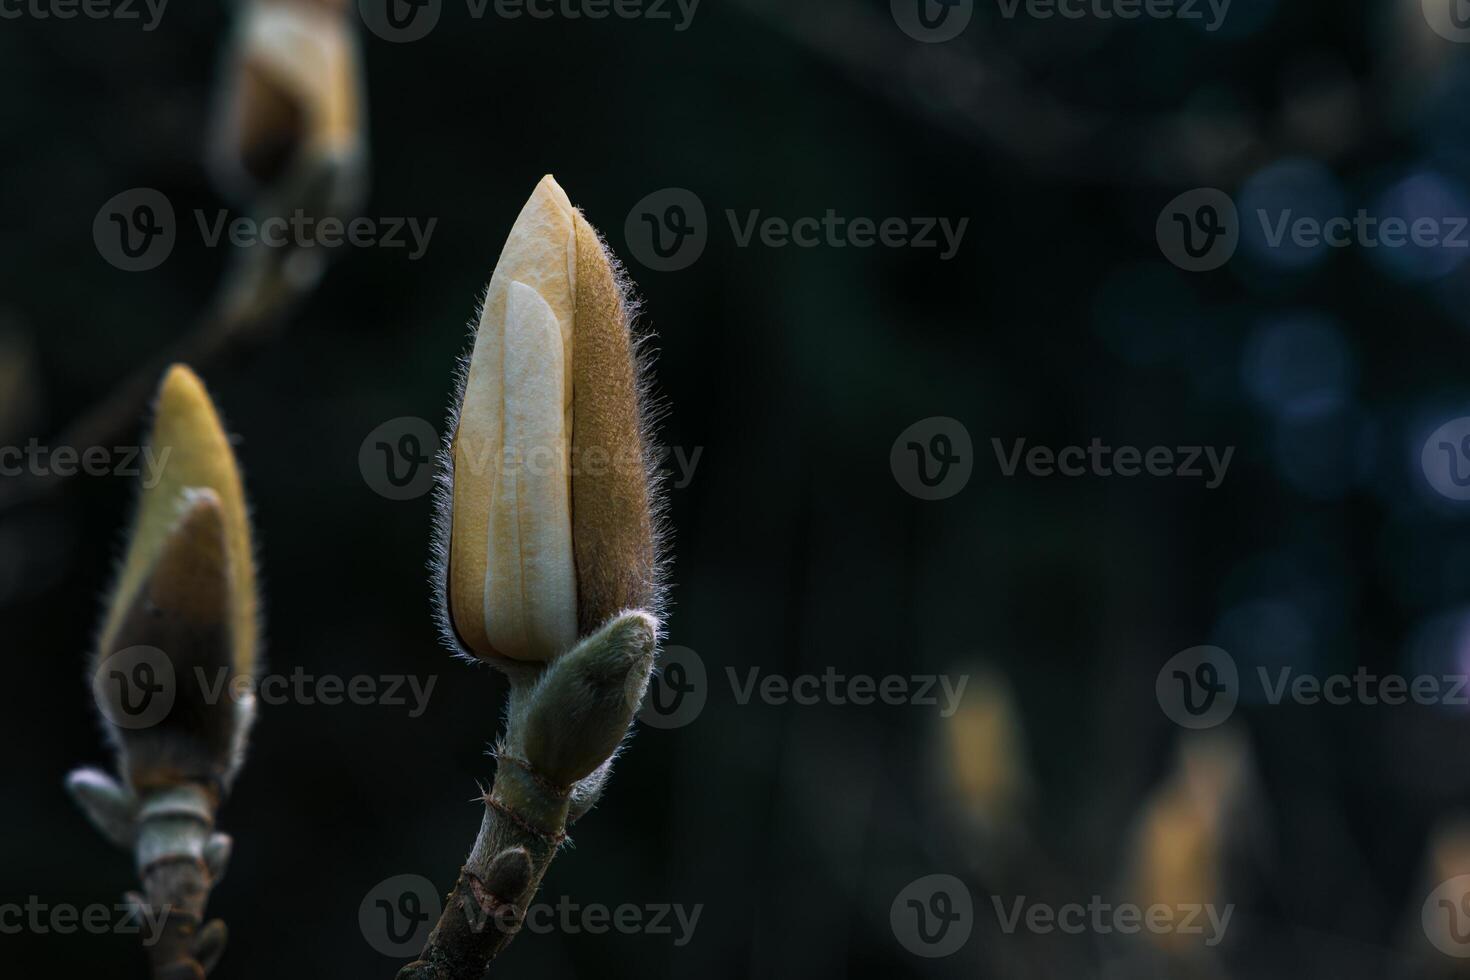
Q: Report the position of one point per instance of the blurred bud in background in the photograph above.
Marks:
(291, 101)
(989, 781)
(37, 545)
(1437, 917)
(1187, 833)
(20, 391)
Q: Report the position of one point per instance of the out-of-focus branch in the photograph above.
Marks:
(288, 139)
(971, 88)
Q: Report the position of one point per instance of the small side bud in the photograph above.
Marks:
(110, 807)
(579, 712)
(217, 851)
(509, 874)
(209, 944)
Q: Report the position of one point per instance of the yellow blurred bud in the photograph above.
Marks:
(292, 90)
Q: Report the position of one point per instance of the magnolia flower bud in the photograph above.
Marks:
(186, 589)
(550, 531)
(291, 94)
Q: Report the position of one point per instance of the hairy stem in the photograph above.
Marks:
(524, 825)
(565, 723)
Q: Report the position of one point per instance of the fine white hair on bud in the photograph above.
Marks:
(546, 525)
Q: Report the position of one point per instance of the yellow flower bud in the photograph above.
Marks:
(548, 540)
(197, 467)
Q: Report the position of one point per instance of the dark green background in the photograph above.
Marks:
(793, 548)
